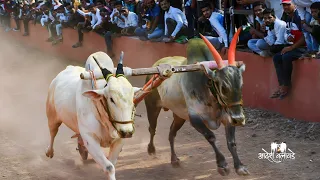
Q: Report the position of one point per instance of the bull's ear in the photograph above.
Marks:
(94, 94)
(242, 68)
(210, 74)
(136, 89)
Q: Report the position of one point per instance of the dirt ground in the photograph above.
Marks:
(25, 75)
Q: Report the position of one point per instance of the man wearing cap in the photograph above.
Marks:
(293, 50)
(130, 21)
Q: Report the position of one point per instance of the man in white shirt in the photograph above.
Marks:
(175, 21)
(130, 21)
(276, 28)
(86, 26)
(258, 44)
(216, 20)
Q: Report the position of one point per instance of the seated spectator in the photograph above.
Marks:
(54, 17)
(314, 24)
(24, 15)
(240, 19)
(258, 44)
(130, 21)
(117, 23)
(103, 27)
(175, 22)
(303, 7)
(282, 60)
(87, 26)
(117, 20)
(316, 34)
(216, 20)
(276, 29)
(62, 20)
(156, 29)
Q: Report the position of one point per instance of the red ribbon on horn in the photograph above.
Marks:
(232, 48)
(214, 52)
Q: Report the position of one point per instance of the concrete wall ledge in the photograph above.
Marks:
(259, 78)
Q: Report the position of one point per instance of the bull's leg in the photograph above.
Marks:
(54, 127)
(174, 128)
(198, 124)
(153, 111)
(230, 134)
(115, 150)
(94, 149)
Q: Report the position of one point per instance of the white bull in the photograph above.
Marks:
(102, 117)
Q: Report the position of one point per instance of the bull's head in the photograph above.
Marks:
(117, 97)
(227, 82)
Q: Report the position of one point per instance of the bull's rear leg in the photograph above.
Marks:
(174, 128)
(53, 127)
(231, 142)
(153, 111)
(198, 124)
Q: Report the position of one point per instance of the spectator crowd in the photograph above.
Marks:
(285, 30)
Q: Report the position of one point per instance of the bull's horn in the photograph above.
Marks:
(214, 52)
(232, 48)
(106, 73)
(119, 71)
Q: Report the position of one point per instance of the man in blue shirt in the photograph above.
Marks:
(152, 11)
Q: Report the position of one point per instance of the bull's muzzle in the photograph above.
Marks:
(238, 120)
(125, 134)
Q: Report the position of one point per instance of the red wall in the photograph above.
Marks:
(259, 78)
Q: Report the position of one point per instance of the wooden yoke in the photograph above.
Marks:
(153, 83)
(165, 71)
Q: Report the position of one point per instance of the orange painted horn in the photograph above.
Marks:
(214, 52)
(232, 48)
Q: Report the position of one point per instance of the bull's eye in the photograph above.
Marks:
(112, 101)
(223, 90)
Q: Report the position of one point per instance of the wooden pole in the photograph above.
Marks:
(163, 69)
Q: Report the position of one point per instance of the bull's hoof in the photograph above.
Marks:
(49, 152)
(175, 163)
(224, 171)
(242, 171)
(83, 152)
(151, 149)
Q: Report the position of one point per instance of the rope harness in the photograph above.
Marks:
(104, 104)
(214, 90)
